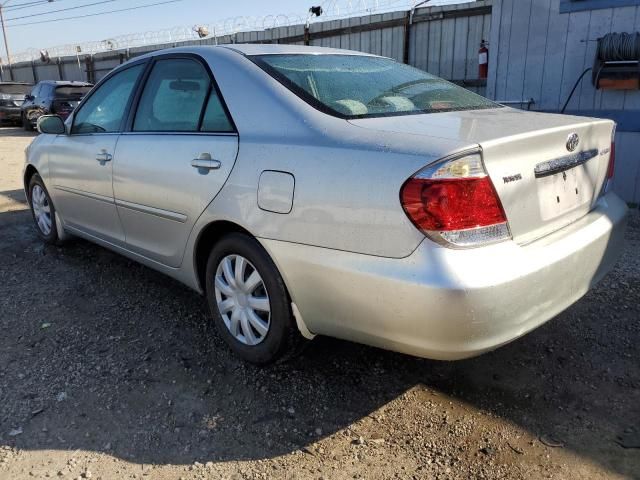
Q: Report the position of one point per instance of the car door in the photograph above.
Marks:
(173, 159)
(81, 162)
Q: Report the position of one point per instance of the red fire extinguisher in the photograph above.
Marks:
(483, 60)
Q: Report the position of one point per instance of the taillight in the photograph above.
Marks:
(612, 160)
(454, 203)
(612, 163)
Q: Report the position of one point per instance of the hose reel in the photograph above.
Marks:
(617, 62)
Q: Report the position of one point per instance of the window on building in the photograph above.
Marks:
(568, 6)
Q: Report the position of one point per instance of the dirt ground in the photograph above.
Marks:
(110, 370)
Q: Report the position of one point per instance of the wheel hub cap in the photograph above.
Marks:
(41, 209)
(242, 299)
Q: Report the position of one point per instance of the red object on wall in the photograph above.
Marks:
(483, 60)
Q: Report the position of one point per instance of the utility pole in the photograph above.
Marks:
(4, 34)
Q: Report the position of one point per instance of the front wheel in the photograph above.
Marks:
(43, 211)
(249, 301)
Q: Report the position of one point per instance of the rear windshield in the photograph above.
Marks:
(15, 89)
(356, 86)
(68, 91)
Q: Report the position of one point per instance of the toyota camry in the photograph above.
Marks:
(310, 191)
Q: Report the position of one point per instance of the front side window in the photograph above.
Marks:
(104, 110)
(357, 86)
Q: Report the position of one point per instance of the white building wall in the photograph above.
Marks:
(537, 52)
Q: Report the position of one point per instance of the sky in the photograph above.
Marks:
(185, 13)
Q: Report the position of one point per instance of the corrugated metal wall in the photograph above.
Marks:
(443, 40)
(537, 52)
(542, 52)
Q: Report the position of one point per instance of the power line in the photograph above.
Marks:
(92, 14)
(19, 6)
(60, 10)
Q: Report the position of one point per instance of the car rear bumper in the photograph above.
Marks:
(451, 304)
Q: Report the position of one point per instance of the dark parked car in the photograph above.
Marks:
(11, 98)
(52, 97)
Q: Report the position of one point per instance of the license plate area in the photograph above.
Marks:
(563, 192)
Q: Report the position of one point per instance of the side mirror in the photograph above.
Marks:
(28, 97)
(51, 124)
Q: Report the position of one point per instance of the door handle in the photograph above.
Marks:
(205, 161)
(103, 157)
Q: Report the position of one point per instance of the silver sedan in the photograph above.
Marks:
(310, 191)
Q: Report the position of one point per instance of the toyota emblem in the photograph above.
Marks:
(572, 142)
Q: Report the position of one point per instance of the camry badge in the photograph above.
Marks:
(572, 142)
(512, 178)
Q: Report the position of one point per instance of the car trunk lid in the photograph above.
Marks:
(542, 185)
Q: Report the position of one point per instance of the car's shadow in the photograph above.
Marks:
(14, 196)
(15, 131)
(102, 354)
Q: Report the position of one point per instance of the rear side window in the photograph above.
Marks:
(104, 110)
(215, 117)
(69, 91)
(179, 97)
(9, 89)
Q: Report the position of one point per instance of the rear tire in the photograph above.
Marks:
(239, 308)
(43, 211)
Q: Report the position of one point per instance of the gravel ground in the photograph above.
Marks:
(110, 370)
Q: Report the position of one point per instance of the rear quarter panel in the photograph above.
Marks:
(347, 179)
(345, 199)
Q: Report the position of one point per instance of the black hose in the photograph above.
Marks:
(573, 90)
(619, 47)
(612, 47)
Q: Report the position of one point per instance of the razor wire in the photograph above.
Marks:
(332, 10)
